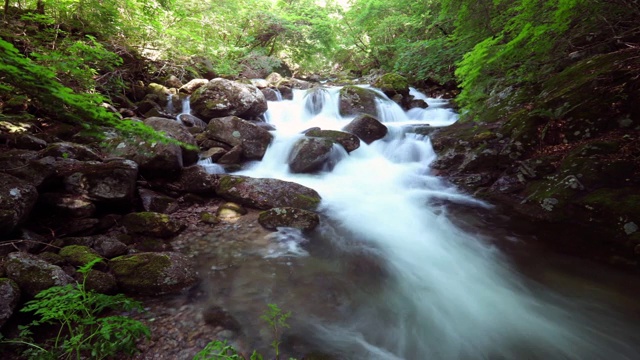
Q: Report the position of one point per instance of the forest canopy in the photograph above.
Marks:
(484, 47)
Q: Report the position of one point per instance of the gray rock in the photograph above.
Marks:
(355, 100)
(193, 85)
(111, 182)
(179, 132)
(27, 165)
(266, 193)
(234, 131)
(151, 224)
(154, 273)
(33, 274)
(194, 179)
(221, 97)
(156, 202)
(367, 128)
(309, 154)
(71, 151)
(9, 298)
(17, 198)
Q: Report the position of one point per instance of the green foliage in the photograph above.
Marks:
(220, 350)
(277, 320)
(81, 332)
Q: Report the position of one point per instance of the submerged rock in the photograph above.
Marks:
(289, 217)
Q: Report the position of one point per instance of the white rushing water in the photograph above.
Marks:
(448, 294)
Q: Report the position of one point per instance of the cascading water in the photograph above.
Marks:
(427, 289)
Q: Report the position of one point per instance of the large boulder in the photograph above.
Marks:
(110, 183)
(310, 154)
(33, 274)
(16, 201)
(179, 132)
(221, 97)
(393, 84)
(193, 85)
(234, 131)
(367, 128)
(266, 193)
(194, 179)
(355, 100)
(154, 273)
(289, 217)
(9, 298)
(154, 159)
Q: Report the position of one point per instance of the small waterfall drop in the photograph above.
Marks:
(438, 292)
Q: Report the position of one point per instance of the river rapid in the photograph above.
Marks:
(405, 266)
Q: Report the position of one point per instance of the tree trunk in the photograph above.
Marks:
(40, 7)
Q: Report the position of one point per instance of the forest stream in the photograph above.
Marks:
(405, 266)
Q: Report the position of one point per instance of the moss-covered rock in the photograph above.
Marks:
(289, 217)
(33, 274)
(348, 141)
(78, 255)
(101, 282)
(266, 193)
(153, 273)
(355, 100)
(392, 84)
(151, 224)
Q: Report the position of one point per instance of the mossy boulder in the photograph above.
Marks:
(33, 274)
(154, 159)
(154, 273)
(151, 224)
(9, 299)
(262, 193)
(177, 131)
(392, 84)
(78, 255)
(101, 282)
(348, 141)
(355, 100)
(289, 217)
(220, 97)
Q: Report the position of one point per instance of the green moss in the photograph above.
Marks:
(227, 182)
(618, 202)
(140, 270)
(306, 202)
(393, 83)
(78, 255)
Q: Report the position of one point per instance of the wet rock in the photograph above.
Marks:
(221, 97)
(393, 84)
(289, 217)
(151, 224)
(190, 121)
(9, 299)
(367, 128)
(355, 100)
(233, 156)
(33, 274)
(156, 202)
(270, 94)
(154, 273)
(214, 153)
(179, 132)
(348, 141)
(309, 155)
(234, 131)
(417, 103)
(17, 198)
(266, 193)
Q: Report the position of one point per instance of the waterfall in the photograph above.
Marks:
(440, 292)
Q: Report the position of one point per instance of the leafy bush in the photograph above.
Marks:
(81, 332)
